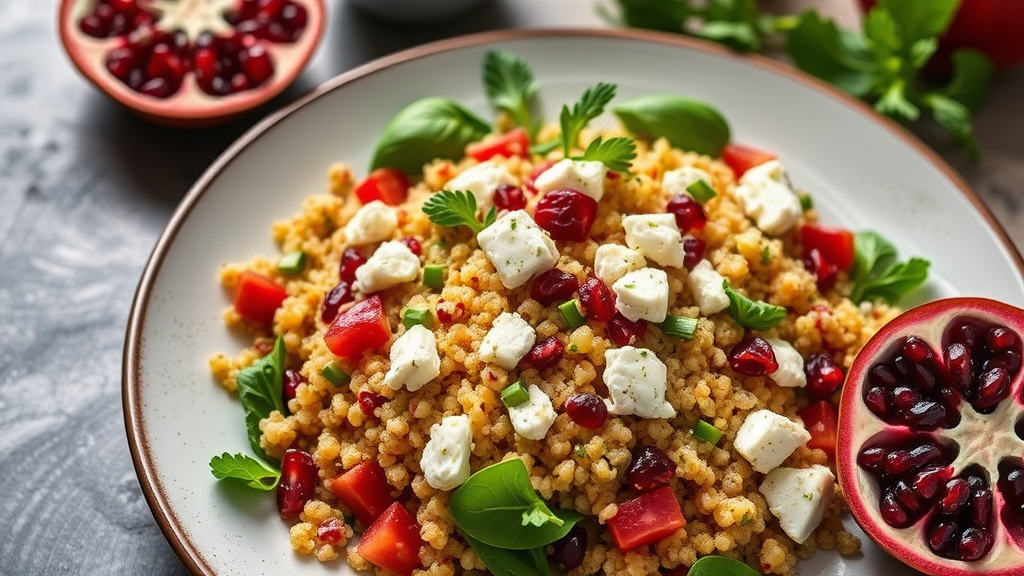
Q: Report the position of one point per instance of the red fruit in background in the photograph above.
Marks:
(299, 477)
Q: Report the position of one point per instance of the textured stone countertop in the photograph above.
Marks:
(85, 190)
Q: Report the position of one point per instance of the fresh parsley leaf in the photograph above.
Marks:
(663, 15)
(686, 123)
(616, 154)
(259, 390)
(753, 314)
(502, 562)
(510, 85)
(456, 208)
(591, 105)
(255, 473)
(876, 273)
(425, 130)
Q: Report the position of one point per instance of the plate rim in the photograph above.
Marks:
(131, 373)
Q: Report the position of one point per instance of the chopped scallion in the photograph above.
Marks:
(806, 202)
(334, 374)
(414, 316)
(701, 191)
(292, 263)
(433, 276)
(681, 327)
(515, 394)
(707, 432)
(571, 315)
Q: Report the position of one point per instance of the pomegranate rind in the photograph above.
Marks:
(858, 425)
(190, 107)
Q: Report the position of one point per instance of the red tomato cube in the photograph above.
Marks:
(741, 158)
(358, 329)
(388, 185)
(258, 297)
(513, 143)
(822, 421)
(392, 541)
(834, 244)
(365, 490)
(646, 519)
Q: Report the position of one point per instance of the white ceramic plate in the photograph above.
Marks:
(862, 171)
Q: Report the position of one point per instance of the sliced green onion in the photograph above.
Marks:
(806, 202)
(571, 315)
(515, 394)
(701, 191)
(292, 263)
(707, 432)
(580, 451)
(414, 316)
(681, 327)
(433, 276)
(334, 374)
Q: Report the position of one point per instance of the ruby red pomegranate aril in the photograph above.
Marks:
(553, 286)
(753, 356)
(823, 376)
(624, 331)
(509, 197)
(291, 379)
(545, 353)
(338, 296)
(331, 531)
(370, 401)
(299, 477)
(568, 551)
(597, 299)
(689, 213)
(588, 410)
(351, 260)
(649, 468)
(693, 251)
(566, 214)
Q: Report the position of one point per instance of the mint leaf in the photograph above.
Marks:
(456, 208)
(259, 391)
(753, 314)
(591, 105)
(254, 473)
(510, 85)
(616, 154)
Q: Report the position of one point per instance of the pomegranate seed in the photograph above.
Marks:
(879, 400)
(693, 251)
(981, 507)
(509, 197)
(341, 294)
(1000, 338)
(566, 214)
(689, 213)
(650, 468)
(823, 376)
(925, 414)
(370, 401)
(413, 245)
(156, 87)
(298, 482)
(907, 496)
(270, 8)
(624, 331)
(1015, 481)
(120, 62)
(916, 350)
(900, 462)
(993, 386)
(941, 536)
(291, 379)
(956, 496)
(256, 64)
(205, 64)
(586, 409)
(927, 481)
(872, 459)
(893, 512)
(240, 83)
(553, 286)
(974, 544)
(568, 550)
(753, 356)
(331, 531)
(94, 26)
(545, 354)
(597, 299)
(882, 375)
(1007, 360)
(351, 260)
(824, 271)
(294, 17)
(905, 398)
(958, 365)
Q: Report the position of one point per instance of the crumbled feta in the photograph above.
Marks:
(414, 359)
(532, 418)
(642, 294)
(799, 498)
(636, 380)
(518, 248)
(612, 261)
(508, 340)
(766, 439)
(768, 198)
(656, 236)
(373, 222)
(790, 372)
(585, 176)
(392, 263)
(675, 182)
(706, 286)
(482, 180)
(445, 460)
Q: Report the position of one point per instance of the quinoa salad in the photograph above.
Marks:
(521, 346)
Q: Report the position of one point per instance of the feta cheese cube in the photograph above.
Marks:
(656, 236)
(642, 294)
(531, 419)
(768, 198)
(373, 222)
(674, 182)
(790, 372)
(707, 289)
(584, 176)
(612, 261)
(799, 498)
(518, 248)
(766, 439)
(392, 263)
(636, 380)
(445, 460)
(414, 359)
(508, 340)
(482, 180)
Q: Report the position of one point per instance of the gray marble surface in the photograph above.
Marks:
(85, 190)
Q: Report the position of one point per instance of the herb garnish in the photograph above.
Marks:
(255, 473)
(259, 391)
(752, 314)
(425, 130)
(502, 562)
(720, 566)
(686, 123)
(876, 273)
(457, 208)
(510, 86)
(591, 105)
(616, 154)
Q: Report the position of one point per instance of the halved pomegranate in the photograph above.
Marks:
(930, 452)
(191, 62)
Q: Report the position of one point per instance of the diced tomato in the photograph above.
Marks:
(258, 297)
(365, 490)
(388, 185)
(835, 244)
(821, 420)
(741, 157)
(646, 519)
(392, 541)
(359, 328)
(513, 143)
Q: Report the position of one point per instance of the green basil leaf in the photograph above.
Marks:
(720, 566)
(917, 19)
(424, 131)
(510, 85)
(753, 314)
(499, 507)
(818, 47)
(877, 274)
(685, 122)
(502, 562)
(255, 473)
(259, 391)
